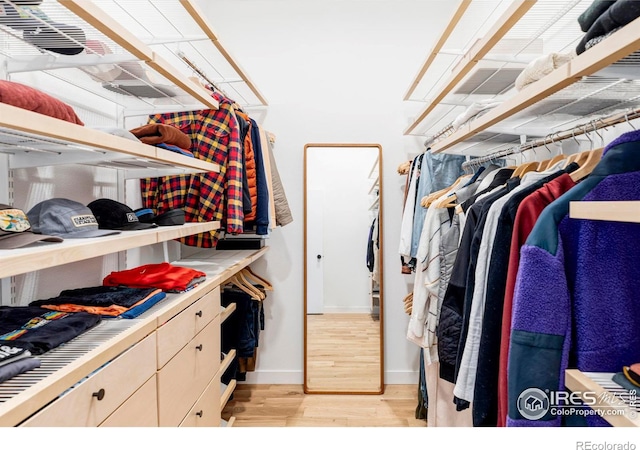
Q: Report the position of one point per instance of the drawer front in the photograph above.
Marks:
(140, 410)
(183, 379)
(176, 333)
(206, 411)
(91, 402)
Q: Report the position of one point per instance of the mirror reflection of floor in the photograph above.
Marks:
(343, 352)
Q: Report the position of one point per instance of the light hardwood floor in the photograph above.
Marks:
(287, 406)
(343, 353)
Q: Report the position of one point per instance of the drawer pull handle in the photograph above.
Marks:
(199, 347)
(199, 314)
(99, 395)
(199, 413)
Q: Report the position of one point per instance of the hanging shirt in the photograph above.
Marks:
(465, 383)
(406, 228)
(215, 138)
(576, 298)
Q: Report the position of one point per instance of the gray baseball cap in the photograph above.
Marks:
(15, 229)
(66, 218)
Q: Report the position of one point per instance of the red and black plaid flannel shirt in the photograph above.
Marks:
(209, 196)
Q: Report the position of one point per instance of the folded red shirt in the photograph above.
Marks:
(163, 276)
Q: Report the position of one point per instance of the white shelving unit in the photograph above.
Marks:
(131, 62)
(74, 361)
(592, 85)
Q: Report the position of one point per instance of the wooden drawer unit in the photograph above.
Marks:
(92, 401)
(177, 332)
(140, 410)
(206, 411)
(183, 379)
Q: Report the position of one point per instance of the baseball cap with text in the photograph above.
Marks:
(66, 218)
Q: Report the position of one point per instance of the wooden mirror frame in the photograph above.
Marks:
(307, 390)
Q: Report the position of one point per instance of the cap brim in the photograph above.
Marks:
(138, 226)
(25, 238)
(89, 234)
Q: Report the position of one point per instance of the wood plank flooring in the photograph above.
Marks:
(343, 353)
(272, 405)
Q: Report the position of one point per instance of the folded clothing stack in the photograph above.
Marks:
(474, 111)
(14, 361)
(40, 330)
(164, 136)
(540, 67)
(106, 301)
(26, 97)
(163, 276)
(603, 18)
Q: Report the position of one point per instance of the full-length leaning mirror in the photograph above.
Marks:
(343, 308)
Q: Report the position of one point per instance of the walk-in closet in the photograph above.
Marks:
(350, 214)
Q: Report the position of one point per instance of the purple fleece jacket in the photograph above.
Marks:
(576, 299)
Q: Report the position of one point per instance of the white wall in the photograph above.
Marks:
(342, 174)
(333, 71)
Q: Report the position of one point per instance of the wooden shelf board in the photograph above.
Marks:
(502, 26)
(619, 45)
(613, 211)
(579, 382)
(220, 265)
(226, 362)
(199, 17)
(93, 143)
(216, 264)
(444, 36)
(226, 390)
(228, 310)
(46, 255)
(228, 423)
(110, 27)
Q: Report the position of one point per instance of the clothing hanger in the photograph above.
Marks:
(524, 168)
(235, 281)
(429, 199)
(259, 292)
(257, 279)
(591, 161)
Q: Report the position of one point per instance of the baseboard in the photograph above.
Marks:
(296, 377)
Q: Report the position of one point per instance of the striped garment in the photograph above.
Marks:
(209, 196)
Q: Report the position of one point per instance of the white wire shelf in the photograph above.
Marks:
(605, 81)
(35, 140)
(578, 91)
(487, 66)
(178, 31)
(84, 50)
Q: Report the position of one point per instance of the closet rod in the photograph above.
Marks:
(593, 125)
